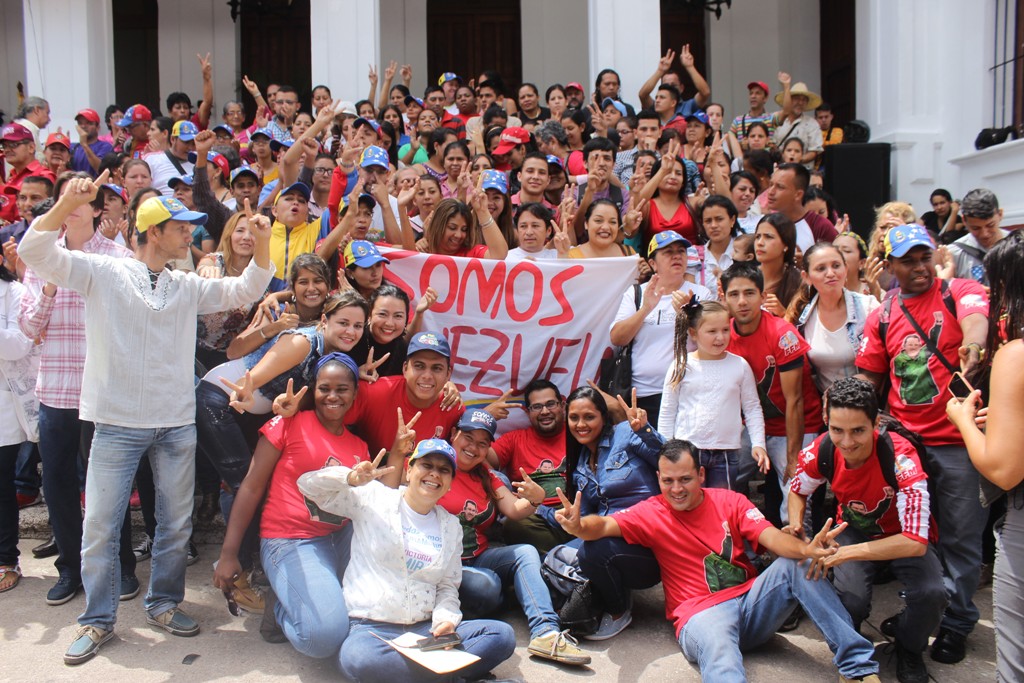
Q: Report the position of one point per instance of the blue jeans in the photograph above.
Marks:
(953, 488)
(484, 577)
(27, 478)
(64, 444)
(923, 591)
(615, 567)
(365, 659)
(715, 637)
(721, 468)
(115, 457)
(306, 574)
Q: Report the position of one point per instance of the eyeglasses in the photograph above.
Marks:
(541, 407)
(8, 146)
(323, 171)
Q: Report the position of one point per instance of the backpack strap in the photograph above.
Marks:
(886, 451)
(827, 458)
(883, 321)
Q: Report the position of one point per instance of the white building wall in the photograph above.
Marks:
(345, 38)
(554, 34)
(625, 36)
(403, 38)
(190, 27)
(753, 41)
(923, 85)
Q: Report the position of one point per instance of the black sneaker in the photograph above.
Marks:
(910, 666)
(63, 591)
(129, 587)
(949, 647)
(144, 549)
(193, 553)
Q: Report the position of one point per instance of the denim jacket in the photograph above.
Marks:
(626, 472)
(857, 308)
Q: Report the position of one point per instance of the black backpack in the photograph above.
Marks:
(886, 450)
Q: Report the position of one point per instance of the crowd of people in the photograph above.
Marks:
(199, 313)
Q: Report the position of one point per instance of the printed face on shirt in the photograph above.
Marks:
(426, 373)
(680, 482)
(853, 433)
(914, 270)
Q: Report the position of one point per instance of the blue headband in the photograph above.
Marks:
(341, 358)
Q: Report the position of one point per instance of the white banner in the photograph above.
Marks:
(510, 323)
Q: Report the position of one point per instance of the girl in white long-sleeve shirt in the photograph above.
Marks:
(709, 393)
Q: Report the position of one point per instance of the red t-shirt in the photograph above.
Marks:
(305, 446)
(681, 221)
(918, 395)
(543, 458)
(700, 551)
(375, 414)
(8, 203)
(479, 251)
(864, 499)
(776, 347)
(468, 501)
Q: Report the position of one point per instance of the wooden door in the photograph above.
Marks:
(683, 23)
(839, 58)
(470, 37)
(275, 47)
(136, 61)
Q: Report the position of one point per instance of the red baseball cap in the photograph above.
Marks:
(759, 84)
(58, 139)
(512, 138)
(574, 84)
(89, 115)
(15, 132)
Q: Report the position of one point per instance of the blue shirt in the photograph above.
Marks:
(80, 162)
(626, 472)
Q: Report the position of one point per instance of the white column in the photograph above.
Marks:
(344, 40)
(69, 56)
(403, 38)
(190, 27)
(625, 36)
(554, 34)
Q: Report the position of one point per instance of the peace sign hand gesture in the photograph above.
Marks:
(499, 409)
(569, 516)
(561, 241)
(242, 393)
(529, 489)
(822, 547)
(636, 416)
(368, 370)
(365, 472)
(405, 437)
(633, 218)
(665, 63)
(287, 404)
(686, 57)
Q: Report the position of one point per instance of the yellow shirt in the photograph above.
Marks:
(287, 244)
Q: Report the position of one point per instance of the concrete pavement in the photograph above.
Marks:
(34, 637)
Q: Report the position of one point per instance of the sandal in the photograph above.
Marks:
(4, 572)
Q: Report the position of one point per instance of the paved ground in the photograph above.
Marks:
(34, 636)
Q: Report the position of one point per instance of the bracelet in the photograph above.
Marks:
(977, 347)
(264, 334)
(489, 223)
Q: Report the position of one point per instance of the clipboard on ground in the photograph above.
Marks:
(438, 661)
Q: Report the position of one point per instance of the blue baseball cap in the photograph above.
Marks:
(478, 419)
(448, 76)
(179, 180)
(432, 447)
(429, 341)
(495, 180)
(555, 161)
(374, 156)
(361, 121)
(156, 210)
(185, 131)
(665, 238)
(243, 170)
(412, 99)
(224, 127)
(363, 254)
(118, 190)
(615, 103)
(137, 113)
(700, 116)
(278, 144)
(265, 132)
(301, 188)
(903, 238)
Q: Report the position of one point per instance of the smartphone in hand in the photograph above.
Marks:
(959, 387)
(439, 642)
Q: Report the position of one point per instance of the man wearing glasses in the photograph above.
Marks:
(286, 107)
(19, 148)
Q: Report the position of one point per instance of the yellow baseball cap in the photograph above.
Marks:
(156, 210)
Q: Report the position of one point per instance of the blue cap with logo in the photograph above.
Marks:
(301, 188)
(432, 447)
(363, 254)
(555, 161)
(223, 127)
(665, 238)
(448, 76)
(243, 170)
(182, 180)
(265, 132)
(619, 106)
(495, 180)
(699, 116)
(429, 341)
(478, 419)
(374, 156)
(361, 121)
(278, 144)
(186, 131)
(903, 238)
(412, 99)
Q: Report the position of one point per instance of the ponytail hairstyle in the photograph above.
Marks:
(806, 292)
(688, 320)
(786, 231)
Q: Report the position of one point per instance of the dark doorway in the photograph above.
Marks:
(275, 47)
(136, 62)
(468, 38)
(682, 23)
(839, 58)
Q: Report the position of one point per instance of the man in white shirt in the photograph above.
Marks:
(173, 162)
(140, 341)
(650, 324)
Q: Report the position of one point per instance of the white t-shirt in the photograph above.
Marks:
(653, 344)
(517, 254)
(421, 536)
(748, 223)
(705, 408)
(376, 231)
(163, 170)
(804, 236)
(831, 354)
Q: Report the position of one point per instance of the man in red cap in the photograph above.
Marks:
(19, 148)
(89, 150)
(758, 95)
(511, 149)
(57, 152)
(136, 122)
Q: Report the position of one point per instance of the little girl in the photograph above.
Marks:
(706, 394)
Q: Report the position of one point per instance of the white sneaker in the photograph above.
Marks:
(610, 626)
